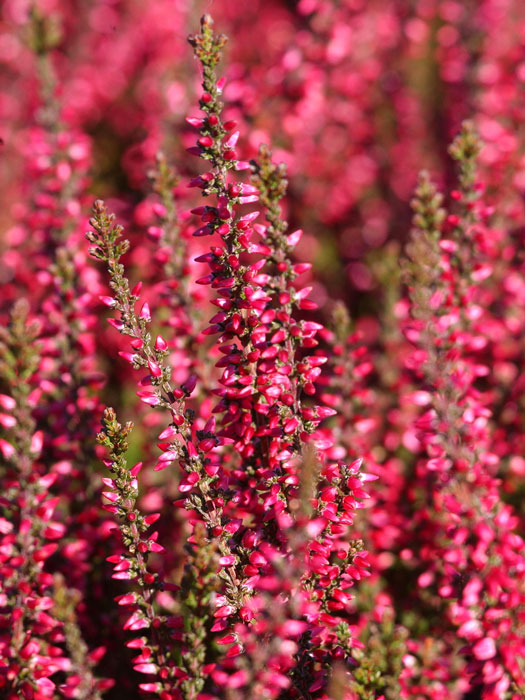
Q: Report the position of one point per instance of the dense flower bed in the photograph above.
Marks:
(310, 484)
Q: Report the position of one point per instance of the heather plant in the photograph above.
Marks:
(40, 635)
(480, 559)
(214, 535)
(246, 504)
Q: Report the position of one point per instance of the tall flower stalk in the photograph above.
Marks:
(34, 660)
(474, 558)
(245, 496)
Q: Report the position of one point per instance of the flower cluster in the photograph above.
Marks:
(366, 306)
(244, 496)
(39, 635)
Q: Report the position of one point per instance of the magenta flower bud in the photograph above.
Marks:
(54, 531)
(168, 433)
(204, 258)
(145, 312)
(128, 356)
(148, 398)
(151, 687)
(219, 626)
(328, 620)
(29, 650)
(7, 421)
(235, 650)
(223, 229)
(37, 442)
(197, 182)
(44, 552)
(169, 456)
(155, 232)
(207, 444)
(111, 496)
(152, 518)
(146, 668)
(300, 268)
(227, 560)
(154, 368)
(160, 343)
(126, 599)
(279, 336)
(156, 547)
(210, 425)
(160, 466)
(291, 425)
(6, 449)
(257, 559)
(195, 122)
(224, 611)
(246, 614)
(294, 238)
(325, 412)
(231, 141)
(233, 525)
(484, 649)
(110, 509)
(190, 384)
(341, 596)
(192, 452)
(134, 471)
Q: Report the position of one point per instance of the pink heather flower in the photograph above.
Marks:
(484, 649)
(262, 511)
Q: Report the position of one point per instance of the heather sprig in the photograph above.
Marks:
(109, 248)
(154, 650)
(267, 371)
(465, 568)
(82, 683)
(467, 255)
(259, 338)
(31, 629)
(465, 150)
(25, 492)
(202, 472)
(204, 485)
(43, 33)
(429, 291)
